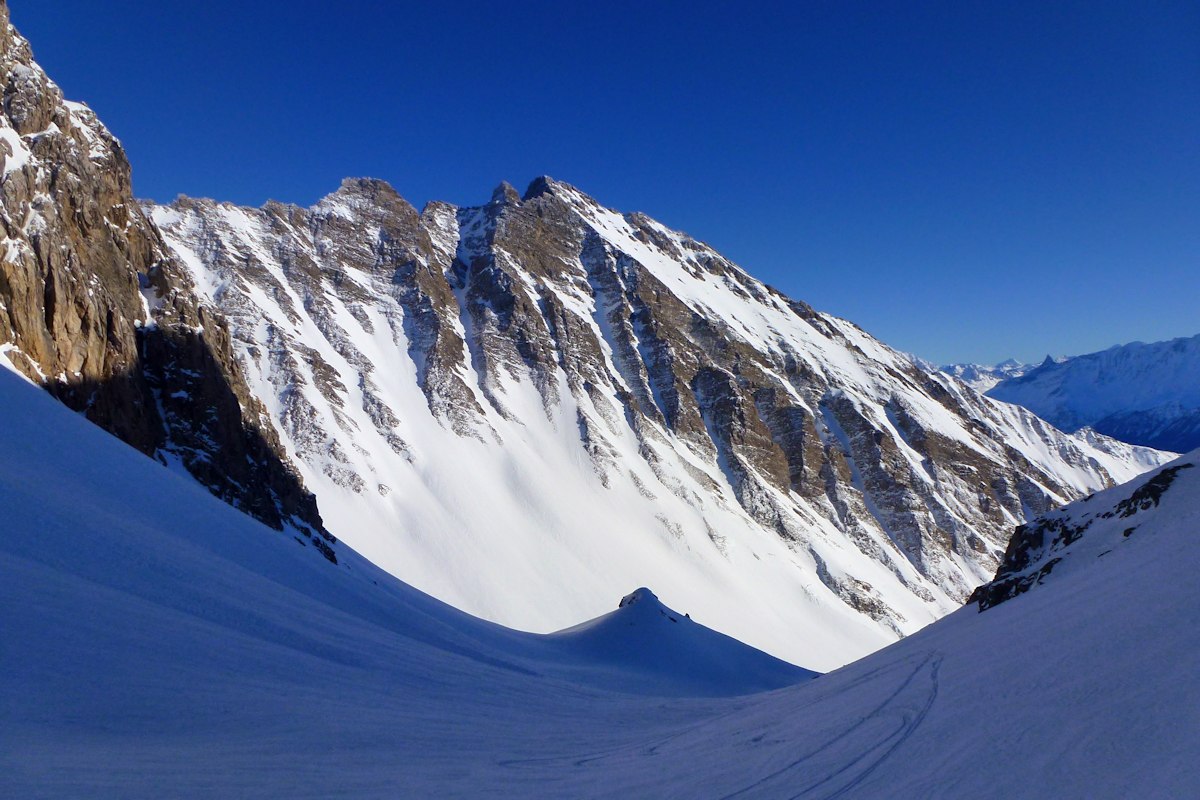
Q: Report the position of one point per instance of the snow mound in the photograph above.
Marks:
(644, 643)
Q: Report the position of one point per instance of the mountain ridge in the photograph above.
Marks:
(1142, 393)
(664, 388)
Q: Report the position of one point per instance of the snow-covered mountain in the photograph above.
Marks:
(526, 406)
(158, 643)
(523, 408)
(981, 377)
(1147, 394)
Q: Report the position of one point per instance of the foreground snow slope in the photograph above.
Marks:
(157, 643)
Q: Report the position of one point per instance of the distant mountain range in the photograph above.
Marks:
(981, 378)
(1145, 394)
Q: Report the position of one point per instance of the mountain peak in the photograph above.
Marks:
(637, 595)
(690, 391)
(542, 184)
(505, 194)
(371, 188)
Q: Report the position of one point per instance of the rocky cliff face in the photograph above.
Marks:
(1069, 538)
(93, 306)
(544, 393)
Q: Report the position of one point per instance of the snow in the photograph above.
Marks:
(156, 642)
(18, 153)
(461, 514)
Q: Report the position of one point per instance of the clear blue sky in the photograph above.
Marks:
(967, 181)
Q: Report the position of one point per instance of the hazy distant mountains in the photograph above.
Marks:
(1147, 394)
(981, 378)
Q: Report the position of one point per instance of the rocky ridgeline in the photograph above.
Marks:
(93, 307)
(637, 331)
(1041, 545)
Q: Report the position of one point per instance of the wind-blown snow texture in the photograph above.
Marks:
(526, 407)
(158, 643)
(1148, 394)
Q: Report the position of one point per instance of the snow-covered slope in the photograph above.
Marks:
(1148, 394)
(527, 407)
(157, 643)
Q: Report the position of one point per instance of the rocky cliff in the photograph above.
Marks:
(1069, 539)
(93, 306)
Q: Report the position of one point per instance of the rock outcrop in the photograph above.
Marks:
(1052, 543)
(93, 306)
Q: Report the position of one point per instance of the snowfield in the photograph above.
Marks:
(158, 643)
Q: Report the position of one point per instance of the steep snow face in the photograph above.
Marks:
(156, 642)
(1148, 394)
(526, 407)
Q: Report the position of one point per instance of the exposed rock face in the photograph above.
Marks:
(93, 306)
(716, 415)
(1038, 548)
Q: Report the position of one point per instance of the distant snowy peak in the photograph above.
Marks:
(1069, 539)
(981, 378)
(1147, 394)
(545, 393)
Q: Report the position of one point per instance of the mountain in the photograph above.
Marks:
(981, 378)
(93, 307)
(1146, 394)
(525, 406)
(157, 642)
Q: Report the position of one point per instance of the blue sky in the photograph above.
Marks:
(968, 181)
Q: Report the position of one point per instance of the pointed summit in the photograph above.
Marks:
(505, 194)
(542, 184)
